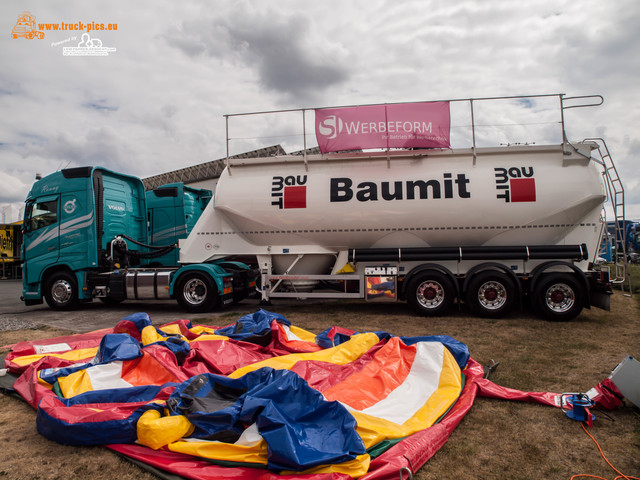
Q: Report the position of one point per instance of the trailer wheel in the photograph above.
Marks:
(195, 292)
(430, 293)
(559, 297)
(61, 291)
(490, 294)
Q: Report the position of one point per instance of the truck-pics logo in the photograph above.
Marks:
(26, 27)
(515, 184)
(289, 192)
(88, 47)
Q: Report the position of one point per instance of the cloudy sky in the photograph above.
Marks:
(156, 102)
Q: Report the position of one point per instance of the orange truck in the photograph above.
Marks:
(26, 27)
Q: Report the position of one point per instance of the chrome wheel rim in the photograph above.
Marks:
(560, 297)
(492, 295)
(430, 294)
(61, 291)
(194, 291)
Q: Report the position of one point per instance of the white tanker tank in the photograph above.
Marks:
(491, 226)
(510, 195)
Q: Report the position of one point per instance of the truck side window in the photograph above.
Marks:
(43, 214)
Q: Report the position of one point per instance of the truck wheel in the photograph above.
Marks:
(196, 293)
(559, 297)
(61, 291)
(490, 294)
(430, 293)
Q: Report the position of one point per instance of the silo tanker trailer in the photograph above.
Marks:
(490, 227)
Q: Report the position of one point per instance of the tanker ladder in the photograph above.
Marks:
(615, 192)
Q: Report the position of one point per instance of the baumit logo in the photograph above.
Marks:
(330, 126)
(515, 184)
(289, 192)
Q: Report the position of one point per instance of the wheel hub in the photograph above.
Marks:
(61, 291)
(492, 295)
(560, 297)
(430, 294)
(195, 291)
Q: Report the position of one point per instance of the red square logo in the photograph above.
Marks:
(523, 189)
(295, 197)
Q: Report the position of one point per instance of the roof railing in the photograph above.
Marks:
(564, 104)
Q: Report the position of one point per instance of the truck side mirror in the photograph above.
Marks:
(26, 221)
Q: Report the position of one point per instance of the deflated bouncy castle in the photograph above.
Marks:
(257, 399)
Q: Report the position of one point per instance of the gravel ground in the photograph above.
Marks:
(15, 323)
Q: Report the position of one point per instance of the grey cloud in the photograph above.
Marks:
(289, 55)
(100, 106)
(12, 188)
(95, 146)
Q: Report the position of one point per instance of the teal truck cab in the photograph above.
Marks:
(86, 235)
(172, 211)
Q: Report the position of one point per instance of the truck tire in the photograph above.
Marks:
(196, 293)
(61, 291)
(491, 294)
(430, 293)
(558, 297)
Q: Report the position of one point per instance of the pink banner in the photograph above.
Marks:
(406, 125)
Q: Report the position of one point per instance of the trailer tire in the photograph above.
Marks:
(430, 293)
(196, 293)
(490, 294)
(61, 291)
(559, 297)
